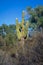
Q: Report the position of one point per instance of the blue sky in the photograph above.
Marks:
(12, 9)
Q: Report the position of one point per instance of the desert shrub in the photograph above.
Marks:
(33, 53)
(2, 42)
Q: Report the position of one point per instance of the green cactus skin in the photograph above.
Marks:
(21, 29)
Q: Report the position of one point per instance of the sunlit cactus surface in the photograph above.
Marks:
(22, 27)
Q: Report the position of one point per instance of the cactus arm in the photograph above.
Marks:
(21, 29)
(17, 29)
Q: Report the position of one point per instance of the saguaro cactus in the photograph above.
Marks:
(22, 28)
(22, 31)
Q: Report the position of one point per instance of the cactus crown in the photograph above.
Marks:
(21, 28)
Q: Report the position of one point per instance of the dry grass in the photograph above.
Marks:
(33, 53)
